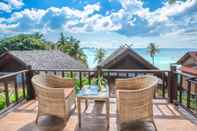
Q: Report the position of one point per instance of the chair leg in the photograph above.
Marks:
(65, 119)
(154, 125)
(37, 116)
(118, 124)
(118, 127)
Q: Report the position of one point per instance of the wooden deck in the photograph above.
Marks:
(167, 118)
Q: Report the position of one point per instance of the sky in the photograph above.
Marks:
(104, 23)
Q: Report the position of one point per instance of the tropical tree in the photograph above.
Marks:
(71, 46)
(38, 35)
(51, 45)
(100, 55)
(153, 49)
(23, 42)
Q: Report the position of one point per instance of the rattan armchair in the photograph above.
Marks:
(134, 100)
(55, 95)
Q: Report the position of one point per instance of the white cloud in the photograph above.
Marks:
(9, 5)
(4, 7)
(132, 19)
(168, 10)
(168, 18)
(89, 9)
(16, 3)
(64, 18)
(131, 5)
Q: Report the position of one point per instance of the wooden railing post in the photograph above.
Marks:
(172, 84)
(30, 90)
(189, 84)
(80, 79)
(7, 99)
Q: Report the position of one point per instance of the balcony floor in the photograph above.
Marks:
(167, 118)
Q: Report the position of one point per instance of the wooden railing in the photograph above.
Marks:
(187, 92)
(170, 85)
(111, 74)
(13, 89)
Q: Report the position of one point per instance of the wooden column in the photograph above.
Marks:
(172, 84)
(30, 90)
(7, 99)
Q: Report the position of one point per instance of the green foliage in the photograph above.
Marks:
(84, 81)
(68, 45)
(101, 82)
(100, 55)
(71, 46)
(153, 49)
(23, 42)
(193, 102)
(2, 101)
(77, 83)
(12, 98)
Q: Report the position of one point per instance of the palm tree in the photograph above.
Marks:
(71, 46)
(74, 47)
(153, 50)
(100, 55)
(38, 35)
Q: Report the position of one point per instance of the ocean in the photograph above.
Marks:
(163, 59)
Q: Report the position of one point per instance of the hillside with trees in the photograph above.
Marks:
(36, 41)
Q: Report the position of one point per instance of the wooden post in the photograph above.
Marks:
(99, 71)
(188, 93)
(63, 74)
(16, 88)
(172, 84)
(89, 78)
(23, 84)
(71, 74)
(7, 99)
(30, 90)
(180, 89)
(80, 79)
(163, 84)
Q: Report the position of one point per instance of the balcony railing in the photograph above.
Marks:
(85, 77)
(170, 86)
(187, 92)
(13, 89)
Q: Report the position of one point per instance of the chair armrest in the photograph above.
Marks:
(68, 92)
(132, 94)
(133, 91)
(59, 82)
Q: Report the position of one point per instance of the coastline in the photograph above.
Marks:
(163, 59)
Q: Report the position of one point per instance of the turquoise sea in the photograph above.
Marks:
(162, 59)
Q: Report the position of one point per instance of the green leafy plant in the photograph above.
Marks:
(71, 46)
(101, 82)
(84, 81)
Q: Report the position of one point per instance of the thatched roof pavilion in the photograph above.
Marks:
(12, 61)
(126, 58)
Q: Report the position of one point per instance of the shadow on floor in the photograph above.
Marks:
(45, 123)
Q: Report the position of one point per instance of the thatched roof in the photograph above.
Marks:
(45, 59)
(187, 56)
(122, 53)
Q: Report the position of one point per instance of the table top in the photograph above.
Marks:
(91, 91)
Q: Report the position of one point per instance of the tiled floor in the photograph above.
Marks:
(167, 118)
